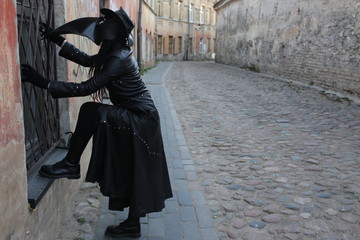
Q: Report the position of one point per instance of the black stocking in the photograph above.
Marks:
(85, 128)
(86, 122)
(131, 220)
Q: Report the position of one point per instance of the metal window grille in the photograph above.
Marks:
(40, 110)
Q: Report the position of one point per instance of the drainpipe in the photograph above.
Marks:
(139, 36)
(186, 57)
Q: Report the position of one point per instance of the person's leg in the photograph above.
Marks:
(128, 228)
(69, 167)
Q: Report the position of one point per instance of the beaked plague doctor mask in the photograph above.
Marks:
(97, 29)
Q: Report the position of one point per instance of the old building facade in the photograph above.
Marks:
(315, 42)
(32, 124)
(147, 14)
(185, 29)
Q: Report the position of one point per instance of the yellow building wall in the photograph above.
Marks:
(173, 22)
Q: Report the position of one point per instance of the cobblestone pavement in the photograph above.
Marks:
(262, 158)
(276, 160)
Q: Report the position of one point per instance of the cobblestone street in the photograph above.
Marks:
(276, 160)
(250, 157)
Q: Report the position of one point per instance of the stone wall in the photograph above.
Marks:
(315, 42)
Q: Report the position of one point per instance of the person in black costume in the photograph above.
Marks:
(127, 159)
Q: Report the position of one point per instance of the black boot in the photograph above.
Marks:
(69, 167)
(62, 169)
(129, 228)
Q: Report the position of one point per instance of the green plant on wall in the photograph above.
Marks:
(253, 67)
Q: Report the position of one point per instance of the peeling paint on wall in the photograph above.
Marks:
(11, 127)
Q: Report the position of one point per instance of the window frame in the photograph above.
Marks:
(191, 12)
(41, 111)
(202, 15)
(171, 45)
(159, 44)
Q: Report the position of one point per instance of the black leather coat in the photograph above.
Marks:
(128, 159)
(119, 74)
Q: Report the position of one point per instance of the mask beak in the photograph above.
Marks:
(85, 27)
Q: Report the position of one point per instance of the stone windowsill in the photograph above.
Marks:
(37, 185)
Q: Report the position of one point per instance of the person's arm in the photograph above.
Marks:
(68, 50)
(73, 54)
(112, 69)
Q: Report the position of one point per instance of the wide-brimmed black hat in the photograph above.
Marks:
(121, 16)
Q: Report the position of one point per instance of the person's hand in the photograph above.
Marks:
(44, 33)
(29, 74)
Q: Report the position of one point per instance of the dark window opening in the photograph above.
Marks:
(191, 48)
(180, 45)
(171, 45)
(159, 44)
(41, 114)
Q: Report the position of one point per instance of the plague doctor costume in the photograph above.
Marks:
(128, 159)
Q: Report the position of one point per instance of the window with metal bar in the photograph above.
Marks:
(41, 116)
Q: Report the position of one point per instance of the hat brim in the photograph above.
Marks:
(122, 18)
(108, 12)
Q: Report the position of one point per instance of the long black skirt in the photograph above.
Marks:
(128, 159)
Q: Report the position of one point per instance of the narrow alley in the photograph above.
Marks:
(250, 157)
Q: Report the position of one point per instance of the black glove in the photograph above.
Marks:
(44, 32)
(29, 74)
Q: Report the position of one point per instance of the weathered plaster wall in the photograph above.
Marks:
(13, 187)
(148, 25)
(18, 222)
(177, 26)
(316, 42)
